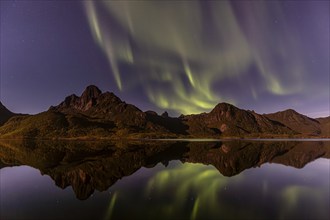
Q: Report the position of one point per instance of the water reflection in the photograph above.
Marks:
(200, 183)
(87, 166)
(186, 180)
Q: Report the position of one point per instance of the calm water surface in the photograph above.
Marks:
(171, 180)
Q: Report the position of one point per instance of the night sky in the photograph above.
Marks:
(179, 56)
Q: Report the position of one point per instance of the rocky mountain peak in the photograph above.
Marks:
(88, 97)
(91, 92)
(223, 106)
(87, 100)
(290, 112)
(224, 109)
(165, 114)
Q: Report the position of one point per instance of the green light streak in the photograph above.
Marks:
(184, 79)
(111, 206)
(204, 182)
(195, 209)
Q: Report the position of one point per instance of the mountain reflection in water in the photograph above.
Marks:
(188, 180)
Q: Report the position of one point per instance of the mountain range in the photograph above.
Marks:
(103, 115)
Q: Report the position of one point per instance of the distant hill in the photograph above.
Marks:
(228, 120)
(95, 114)
(297, 122)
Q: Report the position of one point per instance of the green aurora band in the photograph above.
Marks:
(179, 62)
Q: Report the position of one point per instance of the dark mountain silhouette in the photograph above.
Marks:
(5, 114)
(89, 166)
(103, 115)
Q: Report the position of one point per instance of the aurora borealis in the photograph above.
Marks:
(178, 56)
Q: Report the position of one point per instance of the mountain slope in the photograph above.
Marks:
(229, 120)
(297, 122)
(52, 124)
(325, 126)
(5, 114)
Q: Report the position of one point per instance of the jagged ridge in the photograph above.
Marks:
(95, 114)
